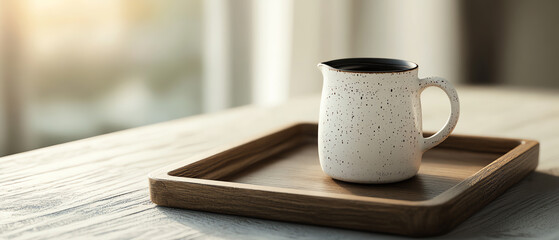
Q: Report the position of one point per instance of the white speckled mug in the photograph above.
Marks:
(370, 128)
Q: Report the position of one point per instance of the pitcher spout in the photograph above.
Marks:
(322, 67)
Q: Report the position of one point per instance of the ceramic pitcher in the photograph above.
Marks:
(370, 128)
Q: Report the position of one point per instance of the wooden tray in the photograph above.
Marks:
(278, 177)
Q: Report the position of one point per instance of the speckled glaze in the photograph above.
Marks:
(370, 128)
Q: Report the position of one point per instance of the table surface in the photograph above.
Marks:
(98, 187)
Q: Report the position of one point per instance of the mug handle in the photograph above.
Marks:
(447, 87)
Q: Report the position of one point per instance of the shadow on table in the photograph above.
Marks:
(528, 209)
(213, 225)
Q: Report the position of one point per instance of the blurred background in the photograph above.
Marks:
(71, 69)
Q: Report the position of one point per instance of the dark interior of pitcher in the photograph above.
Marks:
(371, 65)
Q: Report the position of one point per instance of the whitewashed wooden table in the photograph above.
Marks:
(98, 187)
